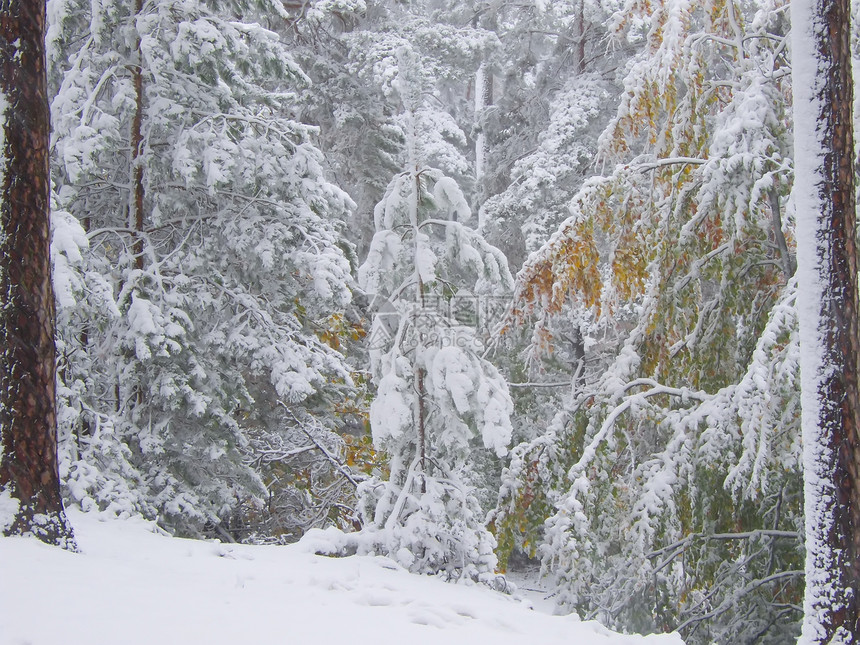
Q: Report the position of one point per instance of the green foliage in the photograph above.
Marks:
(210, 291)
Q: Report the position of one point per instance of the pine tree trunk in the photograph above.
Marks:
(137, 151)
(828, 311)
(28, 422)
(420, 393)
(579, 44)
(480, 140)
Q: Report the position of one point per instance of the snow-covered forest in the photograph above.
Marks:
(482, 286)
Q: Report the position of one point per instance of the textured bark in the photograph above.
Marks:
(28, 469)
(137, 153)
(579, 43)
(422, 427)
(776, 223)
(842, 414)
(844, 395)
(833, 566)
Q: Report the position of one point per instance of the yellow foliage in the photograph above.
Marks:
(569, 269)
(361, 455)
(337, 328)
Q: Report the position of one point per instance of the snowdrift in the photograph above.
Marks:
(131, 585)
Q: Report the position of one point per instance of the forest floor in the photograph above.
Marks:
(130, 585)
(531, 587)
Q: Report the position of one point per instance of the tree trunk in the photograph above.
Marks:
(776, 223)
(481, 138)
(579, 43)
(483, 99)
(137, 159)
(420, 393)
(422, 427)
(828, 314)
(28, 422)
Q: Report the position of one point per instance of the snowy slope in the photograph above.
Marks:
(131, 586)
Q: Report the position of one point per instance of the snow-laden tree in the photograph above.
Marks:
(548, 93)
(544, 181)
(206, 284)
(828, 306)
(669, 484)
(438, 402)
(349, 50)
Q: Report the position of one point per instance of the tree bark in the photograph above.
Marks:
(828, 313)
(481, 139)
(137, 159)
(776, 222)
(420, 393)
(28, 470)
(579, 44)
(422, 427)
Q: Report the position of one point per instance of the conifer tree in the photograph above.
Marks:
(208, 288)
(436, 396)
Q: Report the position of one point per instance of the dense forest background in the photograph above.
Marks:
(494, 282)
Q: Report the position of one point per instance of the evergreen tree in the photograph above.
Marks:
(552, 89)
(210, 283)
(436, 396)
(349, 49)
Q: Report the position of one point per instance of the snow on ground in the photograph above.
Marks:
(532, 588)
(132, 586)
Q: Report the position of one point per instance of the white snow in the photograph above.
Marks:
(8, 508)
(68, 241)
(133, 586)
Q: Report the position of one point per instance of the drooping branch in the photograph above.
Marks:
(656, 389)
(340, 467)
